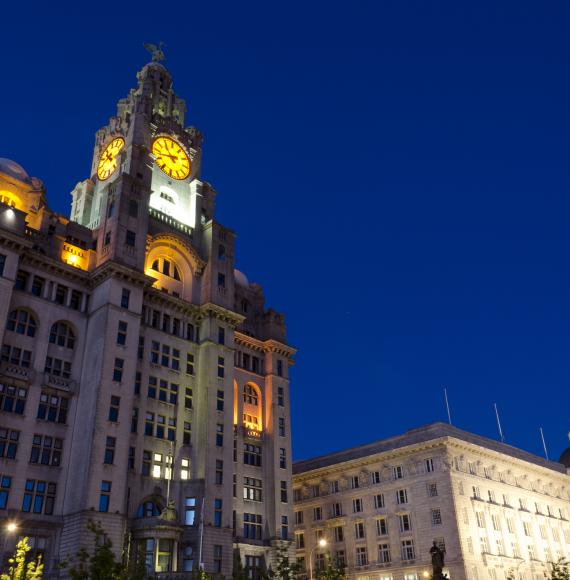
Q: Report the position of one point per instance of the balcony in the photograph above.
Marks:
(16, 372)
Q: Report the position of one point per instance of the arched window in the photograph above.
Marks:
(62, 334)
(166, 267)
(250, 395)
(149, 509)
(22, 322)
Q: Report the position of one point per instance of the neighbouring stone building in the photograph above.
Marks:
(143, 382)
(492, 508)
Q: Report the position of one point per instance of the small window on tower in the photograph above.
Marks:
(133, 208)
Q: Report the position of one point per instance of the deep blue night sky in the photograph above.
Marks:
(397, 173)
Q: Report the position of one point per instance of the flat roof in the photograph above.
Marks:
(422, 435)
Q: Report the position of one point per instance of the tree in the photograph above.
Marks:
(284, 569)
(238, 572)
(20, 569)
(331, 572)
(102, 564)
(558, 570)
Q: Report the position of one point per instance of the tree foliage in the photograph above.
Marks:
(559, 570)
(102, 563)
(21, 567)
(284, 569)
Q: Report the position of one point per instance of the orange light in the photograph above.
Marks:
(74, 256)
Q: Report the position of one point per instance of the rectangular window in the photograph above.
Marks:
(405, 523)
(219, 435)
(46, 450)
(219, 475)
(284, 498)
(334, 486)
(189, 511)
(110, 444)
(379, 501)
(436, 517)
(282, 458)
(52, 408)
(61, 294)
(252, 489)
(252, 454)
(16, 356)
(432, 489)
(252, 526)
(217, 559)
(221, 370)
(384, 556)
(300, 540)
(376, 479)
(189, 363)
(382, 526)
(357, 505)
(279, 368)
(429, 465)
(361, 556)
(134, 420)
(480, 519)
(187, 437)
(38, 285)
(118, 370)
(2, 264)
(221, 335)
(221, 280)
(39, 497)
(280, 397)
(13, 399)
(57, 367)
(125, 298)
(185, 469)
(317, 514)
(114, 408)
(131, 460)
(9, 443)
(5, 484)
(105, 496)
(338, 534)
(359, 533)
(75, 302)
(281, 427)
(408, 550)
(220, 400)
(284, 528)
(122, 333)
(401, 496)
(398, 472)
(130, 238)
(299, 518)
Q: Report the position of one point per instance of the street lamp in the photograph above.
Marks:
(11, 527)
(320, 544)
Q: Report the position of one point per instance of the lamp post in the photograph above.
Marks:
(320, 544)
(9, 529)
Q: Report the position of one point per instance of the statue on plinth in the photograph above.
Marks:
(437, 561)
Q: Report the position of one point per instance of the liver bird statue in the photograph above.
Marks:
(156, 51)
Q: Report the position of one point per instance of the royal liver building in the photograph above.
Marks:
(143, 383)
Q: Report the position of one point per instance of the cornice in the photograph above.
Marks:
(114, 269)
(47, 264)
(264, 345)
(154, 296)
(14, 241)
(214, 311)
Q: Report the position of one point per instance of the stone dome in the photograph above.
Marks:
(13, 169)
(241, 279)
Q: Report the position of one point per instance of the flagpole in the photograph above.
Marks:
(544, 443)
(499, 424)
(447, 405)
(201, 535)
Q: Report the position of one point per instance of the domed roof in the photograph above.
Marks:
(565, 458)
(241, 279)
(13, 169)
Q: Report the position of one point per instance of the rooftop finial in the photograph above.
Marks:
(156, 51)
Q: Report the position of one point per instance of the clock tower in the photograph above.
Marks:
(144, 161)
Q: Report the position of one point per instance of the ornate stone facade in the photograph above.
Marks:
(143, 382)
(491, 507)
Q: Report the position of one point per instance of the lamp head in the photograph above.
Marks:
(322, 542)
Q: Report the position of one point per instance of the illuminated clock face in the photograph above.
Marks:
(171, 158)
(109, 159)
